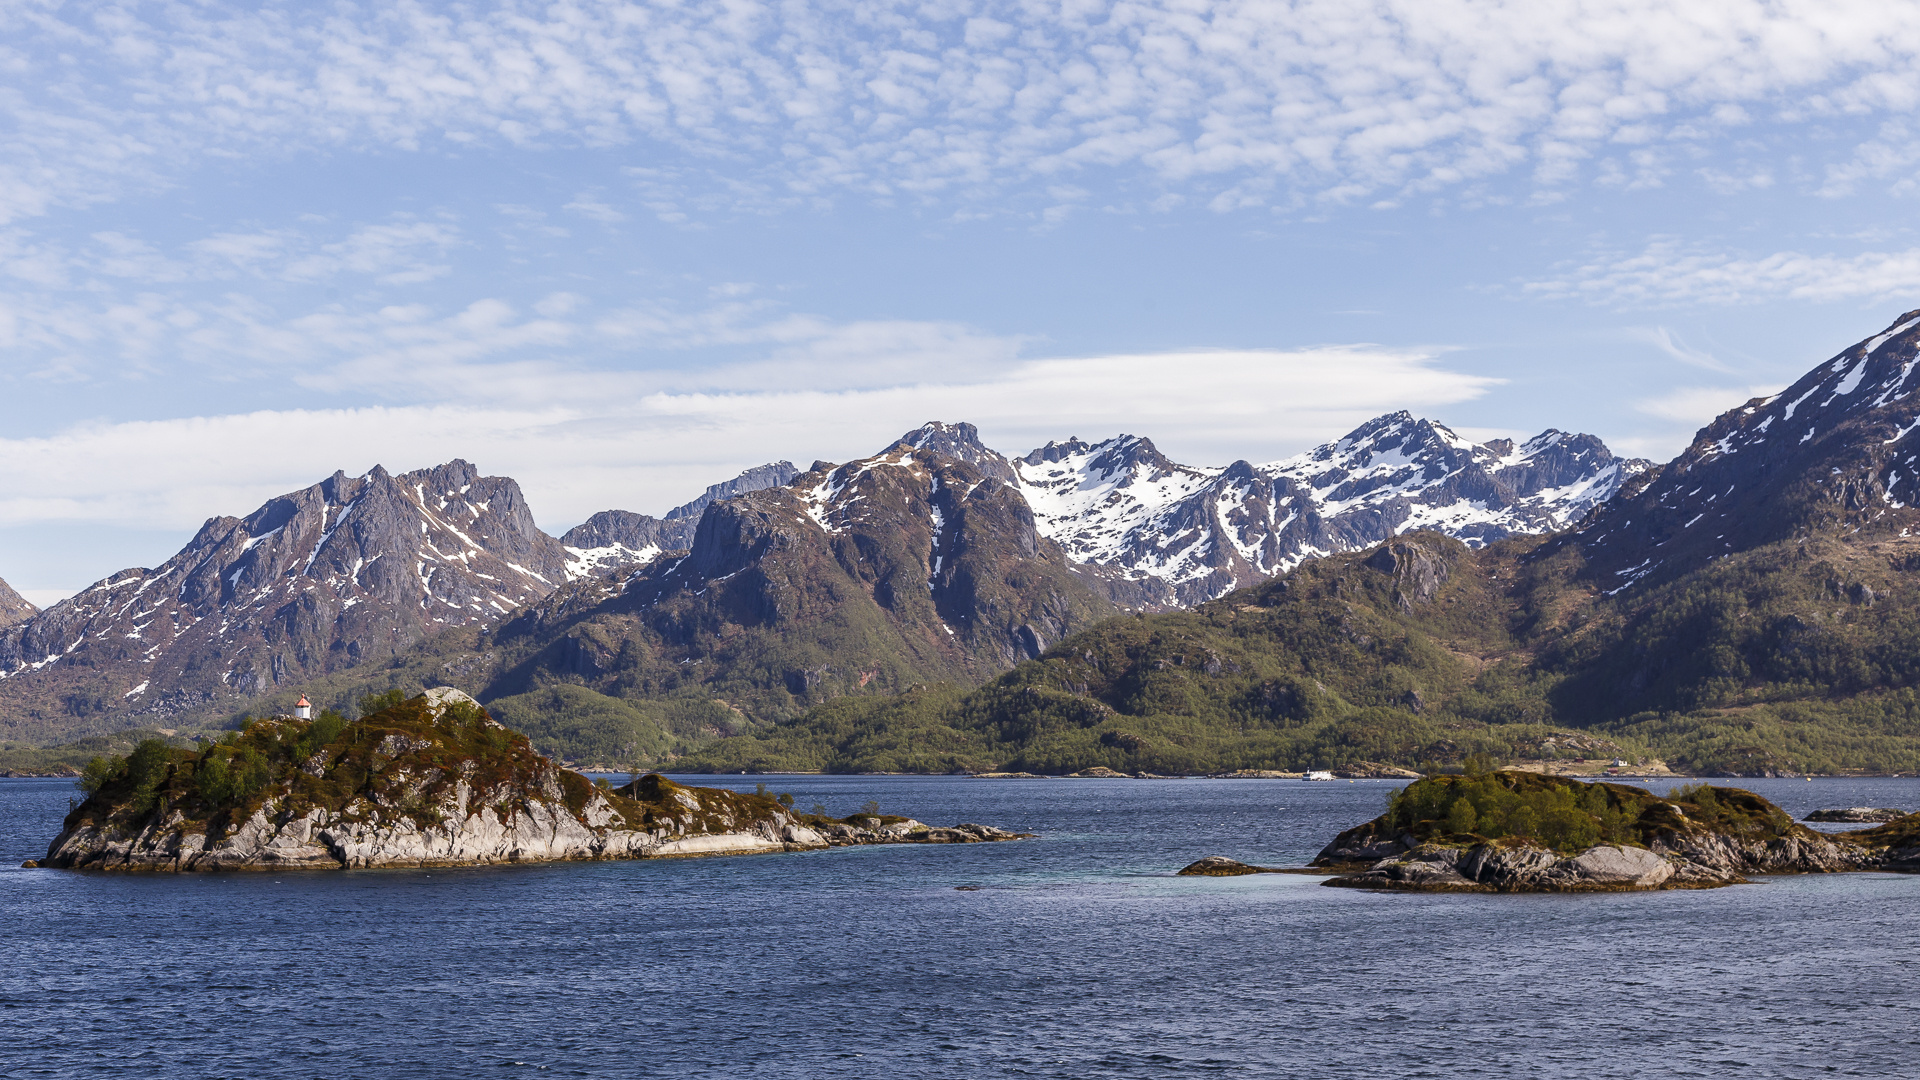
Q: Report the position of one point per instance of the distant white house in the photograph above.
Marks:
(1318, 774)
(303, 709)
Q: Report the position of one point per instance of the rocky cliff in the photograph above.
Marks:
(429, 782)
(1522, 832)
(14, 607)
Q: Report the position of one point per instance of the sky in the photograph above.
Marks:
(620, 251)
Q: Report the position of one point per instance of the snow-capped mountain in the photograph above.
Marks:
(612, 540)
(1173, 535)
(349, 569)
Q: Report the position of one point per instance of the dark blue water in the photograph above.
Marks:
(1079, 956)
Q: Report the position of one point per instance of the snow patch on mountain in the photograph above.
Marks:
(1200, 532)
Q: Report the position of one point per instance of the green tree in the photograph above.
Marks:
(213, 776)
(386, 699)
(97, 773)
(1462, 817)
(147, 769)
(1524, 821)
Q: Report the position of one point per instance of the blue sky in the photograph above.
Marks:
(619, 251)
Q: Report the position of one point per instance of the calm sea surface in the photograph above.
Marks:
(1078, 955)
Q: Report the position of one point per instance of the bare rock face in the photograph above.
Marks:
(1528, 868)
(13, 607)
(1417, 571)
(431, 782)
(348, 570)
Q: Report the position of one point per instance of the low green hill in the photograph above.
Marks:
(1794, 657)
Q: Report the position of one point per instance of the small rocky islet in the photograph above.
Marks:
(1525, 832)
(432, 781)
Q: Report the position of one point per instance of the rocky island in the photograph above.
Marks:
(432, 781)
(1525, 832)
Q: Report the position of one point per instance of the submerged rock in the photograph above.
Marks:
(433, 781)
(1863, 814)
(1221, 866)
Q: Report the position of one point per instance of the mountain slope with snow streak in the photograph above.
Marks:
(1835, 453)
(348, 570)
(1172, 535)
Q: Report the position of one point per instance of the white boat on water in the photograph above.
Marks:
(1318, 775)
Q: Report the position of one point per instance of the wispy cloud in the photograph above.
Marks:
(1669, 343)
(1696, 406)
(1668, 273)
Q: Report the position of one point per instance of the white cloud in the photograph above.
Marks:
(592, 443)
(1668, 274)
(590, 207)
(1252, 101)
(399, 253)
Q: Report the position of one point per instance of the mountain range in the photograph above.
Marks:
(1177, 535)
(937, 560)
(1747, 609)
(1400, 595)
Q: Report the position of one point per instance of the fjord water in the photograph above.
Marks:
(1076, 954)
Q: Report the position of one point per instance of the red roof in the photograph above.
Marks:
(303, 703)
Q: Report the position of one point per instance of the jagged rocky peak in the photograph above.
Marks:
(14, 608)
(1547, 482)
(612, 540)
(960, 441)
(1409, 436)
(1122, 455)
(758, 478)
(1836, 451)
(312, 581)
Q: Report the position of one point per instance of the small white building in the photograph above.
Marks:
(1318, 774)
(303, 709)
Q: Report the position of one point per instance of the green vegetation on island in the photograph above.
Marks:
(1524, 832)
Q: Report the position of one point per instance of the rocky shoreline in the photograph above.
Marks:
(1457, 834)
(430, 782)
